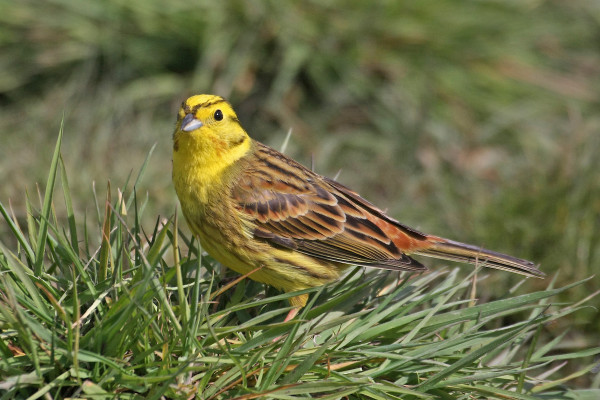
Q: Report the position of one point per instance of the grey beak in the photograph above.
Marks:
(189, 123)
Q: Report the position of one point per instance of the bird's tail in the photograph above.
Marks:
(455, 251)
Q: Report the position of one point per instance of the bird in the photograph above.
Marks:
(259, 212)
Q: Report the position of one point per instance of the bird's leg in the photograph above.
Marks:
(297, 302)
(293, 312)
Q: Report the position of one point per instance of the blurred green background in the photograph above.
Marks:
(475, 120)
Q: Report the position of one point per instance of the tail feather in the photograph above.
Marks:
(455, 251)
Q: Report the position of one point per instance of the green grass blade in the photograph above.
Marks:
(22, 274)
(69, 206)
(140, 175)
(21, 239)
(45, 216)
(499, 342)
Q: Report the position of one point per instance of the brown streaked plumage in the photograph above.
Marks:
(252, 206)
(296, 208)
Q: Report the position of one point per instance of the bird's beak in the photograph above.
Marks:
(189, 123)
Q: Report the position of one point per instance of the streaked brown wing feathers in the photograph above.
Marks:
(296, 208)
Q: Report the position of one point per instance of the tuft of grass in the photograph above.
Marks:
(123, 311)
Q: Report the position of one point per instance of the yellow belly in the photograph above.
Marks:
(282, 268)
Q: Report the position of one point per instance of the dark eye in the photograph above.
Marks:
(218, 115)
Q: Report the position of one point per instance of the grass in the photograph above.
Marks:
(118, 311)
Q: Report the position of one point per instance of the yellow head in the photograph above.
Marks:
(208, 131)
(208, 139)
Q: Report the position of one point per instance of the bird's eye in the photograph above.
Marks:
(218, 115)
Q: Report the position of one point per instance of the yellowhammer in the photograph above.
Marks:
(252, 207)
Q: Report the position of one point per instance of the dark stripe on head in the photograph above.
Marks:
(207, 104)
(238, 142)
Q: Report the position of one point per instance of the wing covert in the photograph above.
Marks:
(295, 208)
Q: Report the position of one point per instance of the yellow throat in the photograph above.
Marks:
(208, 138)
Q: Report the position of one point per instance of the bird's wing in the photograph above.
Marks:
(295, 208)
